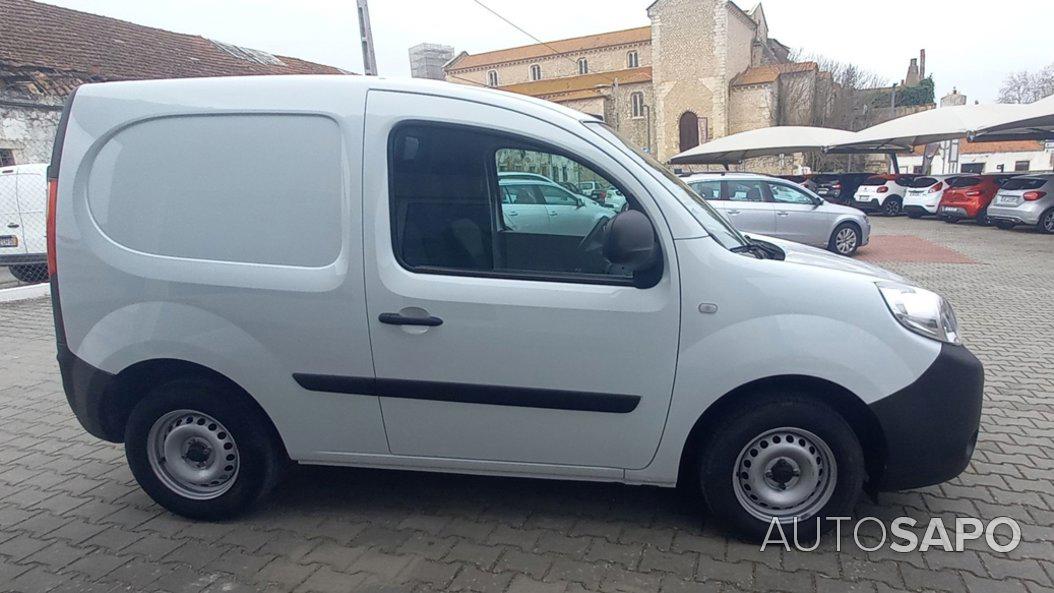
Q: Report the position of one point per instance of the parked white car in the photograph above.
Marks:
(23, 201)
(405, 327)
(535, 206)
(781, 208)
(922, 195)
(882, 193)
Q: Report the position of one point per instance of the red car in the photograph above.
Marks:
(968, 197)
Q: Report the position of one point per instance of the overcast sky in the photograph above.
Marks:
(881, 38)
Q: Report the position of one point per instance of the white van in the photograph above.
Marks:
(256, 270)
(23, 203)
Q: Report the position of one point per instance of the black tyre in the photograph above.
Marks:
(892, 206)
(782, 457)
(199, 450)
(915, 215)
(31, 273)
(1046, 222)
(982, 218)
(1004, 225)
(845, 239)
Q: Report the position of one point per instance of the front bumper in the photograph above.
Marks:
(930, 427)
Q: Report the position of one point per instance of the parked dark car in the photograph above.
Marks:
(838, 187)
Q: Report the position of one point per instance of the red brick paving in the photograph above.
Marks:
(909, 248)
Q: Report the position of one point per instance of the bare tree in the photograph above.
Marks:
(1026, 87)
(838, 96)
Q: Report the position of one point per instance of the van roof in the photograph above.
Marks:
(227, 88)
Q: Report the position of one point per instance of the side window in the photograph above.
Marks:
(464, 200)
(554, 195)
(785, 194)
(710, 190)
(743, 191)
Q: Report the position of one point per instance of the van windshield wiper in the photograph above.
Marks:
(751, 248)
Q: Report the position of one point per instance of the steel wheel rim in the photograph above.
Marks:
(845, 241)
(785, 474)
(193, 454)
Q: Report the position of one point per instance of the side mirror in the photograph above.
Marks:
(631, 242)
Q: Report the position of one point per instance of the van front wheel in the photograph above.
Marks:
(198, 451)
(787, 459)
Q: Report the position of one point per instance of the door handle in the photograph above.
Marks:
(514, 213)
(399, 319)
(732, 212)
(783, 213)
(551, 213)
(13, 225)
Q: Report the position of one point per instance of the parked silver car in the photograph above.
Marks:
(1025, 200)
(779, 208)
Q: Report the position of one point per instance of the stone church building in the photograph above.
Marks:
(702, 69)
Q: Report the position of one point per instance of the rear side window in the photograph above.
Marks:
(1023, 183)
(964, 181)
(744, 191)
(262, 189)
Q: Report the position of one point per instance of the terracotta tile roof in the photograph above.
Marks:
(538, 50)
(967, 147)
(581, 87)
(42, 36)
(1008, 146)
(770, 72)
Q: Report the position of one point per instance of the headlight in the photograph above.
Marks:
(921, 311)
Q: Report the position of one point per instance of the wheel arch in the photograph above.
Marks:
(131, 385)
(860, 418)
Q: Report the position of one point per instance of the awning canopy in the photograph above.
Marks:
(924, 127)
(1034, 121)
(734, 148)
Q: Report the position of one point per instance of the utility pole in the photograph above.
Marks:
(369, 61)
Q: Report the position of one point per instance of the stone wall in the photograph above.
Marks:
(30, 107)
(686, 66)
(752, 107)
(600, 60)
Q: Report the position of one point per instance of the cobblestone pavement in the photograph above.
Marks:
(71, 517)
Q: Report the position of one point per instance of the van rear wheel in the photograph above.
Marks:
(787, 458)
(198, 451)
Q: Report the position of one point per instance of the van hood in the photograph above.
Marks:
(811, 256)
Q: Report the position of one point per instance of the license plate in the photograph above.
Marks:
(8, 241)
(1007, 200)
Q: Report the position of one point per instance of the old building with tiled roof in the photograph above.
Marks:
(700, 69)
(47, 51)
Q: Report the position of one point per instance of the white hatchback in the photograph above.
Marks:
(922, 195)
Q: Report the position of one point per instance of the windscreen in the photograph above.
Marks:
(964, 181)
(920, 182)
(1019, 183)
(715, 224)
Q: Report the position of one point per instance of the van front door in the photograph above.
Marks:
(497, 346)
